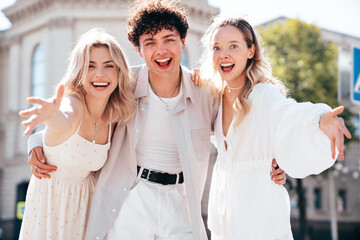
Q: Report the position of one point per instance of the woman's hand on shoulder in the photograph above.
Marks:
(45, 110)
(195, 77)
(334, 127)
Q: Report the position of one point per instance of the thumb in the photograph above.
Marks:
(60, 93)
(338, 110)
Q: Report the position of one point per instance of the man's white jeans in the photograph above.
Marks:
(153, 211)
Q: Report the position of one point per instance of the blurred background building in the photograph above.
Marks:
(33, 55)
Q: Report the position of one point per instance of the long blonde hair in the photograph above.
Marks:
(258, 69)
(121, 104)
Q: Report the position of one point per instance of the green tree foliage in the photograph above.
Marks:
(308, 64)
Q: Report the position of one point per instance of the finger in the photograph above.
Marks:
(40, 155)
(39, 175)
(46, 168)
(60, 92)
(35, 174)
(29, 112)
(46, 171)
(36, 156)
(280, 182)
(279, 177)
(36, 100)
(274, 163)
(28, 130)
(332, 146)
(32, 120)
(340, 145)
(276, 172)
(337, 111)
(344, 129)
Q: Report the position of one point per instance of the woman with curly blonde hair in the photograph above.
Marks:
(256, 123)
(79, 125)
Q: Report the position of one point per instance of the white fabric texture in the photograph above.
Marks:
(57, 208)
(157, 148)
(153, 211)
(242, 194)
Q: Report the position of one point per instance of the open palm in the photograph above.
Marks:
(45, 110)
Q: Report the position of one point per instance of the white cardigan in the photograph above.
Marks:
(242, 194)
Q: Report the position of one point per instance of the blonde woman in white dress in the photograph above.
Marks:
(255, 124)
(94, 95)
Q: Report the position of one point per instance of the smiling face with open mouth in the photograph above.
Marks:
(102, 76)
(230, 55)
(162, 52)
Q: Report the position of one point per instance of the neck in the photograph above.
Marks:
(165, 84)
(96, 108)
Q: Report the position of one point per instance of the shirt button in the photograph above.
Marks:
(124, 189)
(114, 210)
(142, 109)
(133, 170)
(97, 238)
(137, 130)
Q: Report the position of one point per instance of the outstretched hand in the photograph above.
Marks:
(334, 127)
(45, 110)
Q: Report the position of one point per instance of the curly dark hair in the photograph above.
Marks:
(150, 17)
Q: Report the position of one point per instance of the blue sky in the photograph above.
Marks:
(339, 16)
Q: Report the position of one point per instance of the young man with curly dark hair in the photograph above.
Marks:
(168, 140)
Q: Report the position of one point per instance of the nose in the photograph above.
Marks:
(224, 54)
(161, 48)
(99, 72)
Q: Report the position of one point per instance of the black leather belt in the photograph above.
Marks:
(159, 177)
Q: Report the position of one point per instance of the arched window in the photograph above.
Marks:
(38, 72)
(185, 59)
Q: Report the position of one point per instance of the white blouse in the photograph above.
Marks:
(243, 199)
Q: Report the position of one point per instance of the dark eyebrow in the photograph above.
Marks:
(148, 39)
(109, 61)
(169, 35)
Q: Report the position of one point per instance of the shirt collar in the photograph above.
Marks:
(142, 84)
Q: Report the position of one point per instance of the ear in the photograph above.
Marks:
(183, 44)
(251, 51)
(138, 49)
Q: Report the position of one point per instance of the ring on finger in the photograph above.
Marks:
(36, 168)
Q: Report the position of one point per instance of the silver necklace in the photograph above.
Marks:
(91, 123)
(232, 89)
(167, 108)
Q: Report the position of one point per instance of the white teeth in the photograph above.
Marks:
(100, 84)
(163, 60)
(226, 64)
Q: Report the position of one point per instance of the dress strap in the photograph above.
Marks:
(78, 129)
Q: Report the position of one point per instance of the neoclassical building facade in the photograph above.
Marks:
(33, 54)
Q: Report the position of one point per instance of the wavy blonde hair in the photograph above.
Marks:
(258, 69)
(121, 104)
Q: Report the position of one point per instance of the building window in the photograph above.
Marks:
(38, 72)
(341, 201)
(317, 199)
(185, 59)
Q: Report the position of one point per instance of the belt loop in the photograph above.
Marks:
(139, 174)
(177, 178)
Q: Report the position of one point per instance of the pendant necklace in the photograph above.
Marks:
(91, 123)
(167, 107)
(232, 89)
